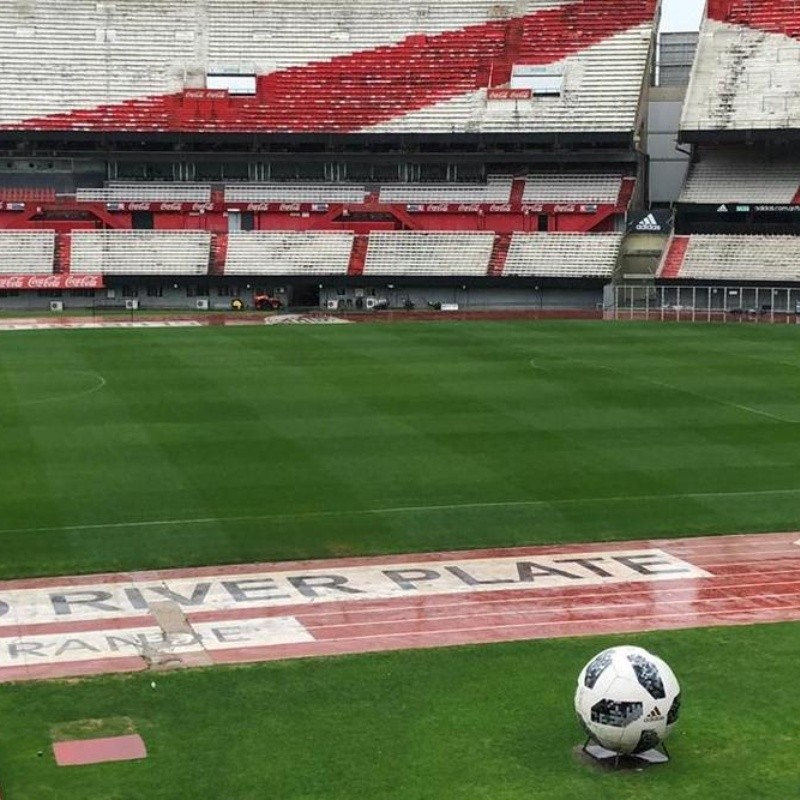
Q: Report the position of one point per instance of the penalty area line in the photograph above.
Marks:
(535, 364)
(400, 510)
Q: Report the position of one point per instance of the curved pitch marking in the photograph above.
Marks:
(100, 383)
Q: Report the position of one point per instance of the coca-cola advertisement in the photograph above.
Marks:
(206, 94)
(509, 94)
(65, 281)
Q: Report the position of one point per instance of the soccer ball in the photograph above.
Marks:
(627, 700)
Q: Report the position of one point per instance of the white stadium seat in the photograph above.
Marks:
(563, 255)
(27, 252)
(145, 192)
(743, 79)
(423, 253)
(120, 65)
(288, 253)
(742, 258)
(603, 81)
(567, 187)
(742, 176)
(497, 189)
(294, 193)
(126, 252)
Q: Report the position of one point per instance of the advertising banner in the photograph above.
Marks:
(656, 221)
(67, 281)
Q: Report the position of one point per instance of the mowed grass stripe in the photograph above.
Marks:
(406, 510)
(223, 445)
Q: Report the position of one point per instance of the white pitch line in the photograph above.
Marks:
(663, 385)
(58, 398)
(403, 510)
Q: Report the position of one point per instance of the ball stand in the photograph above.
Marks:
(598, 755)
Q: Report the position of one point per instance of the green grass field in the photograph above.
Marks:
(492, 723)
(160, 448)
(154, 448)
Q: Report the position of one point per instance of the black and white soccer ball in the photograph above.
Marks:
(627, 700)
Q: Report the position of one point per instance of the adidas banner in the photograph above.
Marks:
(657, 221)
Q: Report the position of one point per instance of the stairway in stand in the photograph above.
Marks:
(62, 254)
(219, 254)
(517, 191)
(674, 260)
(497, 263)
(358, 256)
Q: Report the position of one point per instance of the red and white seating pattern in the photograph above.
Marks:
(27, 252)
(541, 187)
(601, 92)
(313, 253)
(733, 258)
(326, 66)
(745, 71)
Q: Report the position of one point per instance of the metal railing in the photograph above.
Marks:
(695, 303)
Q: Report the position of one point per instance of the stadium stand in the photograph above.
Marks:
(497, 189)
(415, 253)
(600, 80)
(22, 194)
(213, 66)
(27, 252)
(125, 252)
(672, 260)
(294, 193)
(288, 253)
(737, 215)
(563, 255)
(58, 55)
(733, 258)
(211, 141)
(743, 189)
(745, 73)
(147, 192)
(546, 187)
(743, 176)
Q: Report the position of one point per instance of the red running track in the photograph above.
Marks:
(669, 584)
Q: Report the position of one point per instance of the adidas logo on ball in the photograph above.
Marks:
(655, 715)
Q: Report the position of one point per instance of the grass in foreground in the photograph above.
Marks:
(493, 723)
(157, 448)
